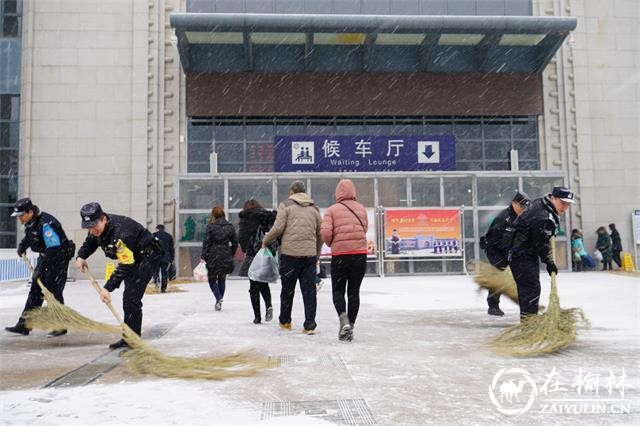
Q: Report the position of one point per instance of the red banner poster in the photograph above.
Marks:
(422, 232)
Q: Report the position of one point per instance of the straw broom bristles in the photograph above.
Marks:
(56, 316)
(143, 358)
(496, 281)
(541, 334)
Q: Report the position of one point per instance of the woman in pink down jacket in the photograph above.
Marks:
(344, 228)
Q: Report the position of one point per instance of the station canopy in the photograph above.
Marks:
(250, 42)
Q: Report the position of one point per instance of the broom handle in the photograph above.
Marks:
(99, 290)
(24, 257)
(553, 256)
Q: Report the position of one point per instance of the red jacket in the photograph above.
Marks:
(341, 230)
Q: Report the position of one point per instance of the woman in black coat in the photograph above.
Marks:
(219, 246)
(255, 221)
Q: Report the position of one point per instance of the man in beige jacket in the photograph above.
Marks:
(298, 223)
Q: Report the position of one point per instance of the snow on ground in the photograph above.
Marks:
(418, 357)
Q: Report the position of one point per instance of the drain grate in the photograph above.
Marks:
(93, 370)
(330, 360)
(88, 372)
(340, 411)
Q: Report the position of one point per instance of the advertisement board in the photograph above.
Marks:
(422, 232)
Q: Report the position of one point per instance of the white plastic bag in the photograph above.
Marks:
(264, 267)
(597, 255)
(200, 272)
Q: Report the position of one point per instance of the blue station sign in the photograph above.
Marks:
(364, 153)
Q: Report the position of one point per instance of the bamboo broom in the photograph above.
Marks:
(541, 334)
(56, 316)
(143, 358)
(495, 280)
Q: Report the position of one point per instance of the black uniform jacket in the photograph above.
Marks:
(125, 240)
(219, 246)
(167, 245)
(44, 235)
(534, 229)
(497, 248)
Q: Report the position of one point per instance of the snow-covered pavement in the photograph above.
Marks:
(418, 357)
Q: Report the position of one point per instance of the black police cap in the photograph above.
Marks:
(563, 193)
(90, 214)
(21, 206)
(521, 198)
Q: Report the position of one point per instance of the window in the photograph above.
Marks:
(11, 22)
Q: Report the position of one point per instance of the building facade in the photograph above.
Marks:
(123, 102)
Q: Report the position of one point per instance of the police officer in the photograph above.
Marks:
(44, 235)
(532, 232)
(138, 254)
(495, 246)
(167, 245)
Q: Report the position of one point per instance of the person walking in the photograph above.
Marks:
(138, 254)
(298, 224)
(532, 232)
(604, 245)
(344, 229)
(616, 244)
(255, 221)
(43, 235)
(496, 248)
(219, 245)
(162, 275)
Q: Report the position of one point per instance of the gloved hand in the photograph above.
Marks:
(20, 252)
(483, 243)
(552, 268)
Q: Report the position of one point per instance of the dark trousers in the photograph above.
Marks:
(134, 286)
(347, 272)
(53, 276)
(292, 269)
(493, 300)
(526, 272)
(257, 288)
(616, 258)
(217, 285)
(162, 274)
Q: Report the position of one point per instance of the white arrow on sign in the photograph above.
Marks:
(428, 151)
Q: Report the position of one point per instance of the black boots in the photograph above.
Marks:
(57, 333)
(19, 328)
(495, 310)
(119, 344)
(346, 329)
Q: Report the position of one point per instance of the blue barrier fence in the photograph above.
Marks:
(12, 269)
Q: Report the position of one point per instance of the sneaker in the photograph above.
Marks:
(285, 326)
(119, 344)
(494, 310)
(18, 329)
(308, 332)
(219, 305)
(257, 321)
(319, 285)
(269, 315)
(57, 333)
